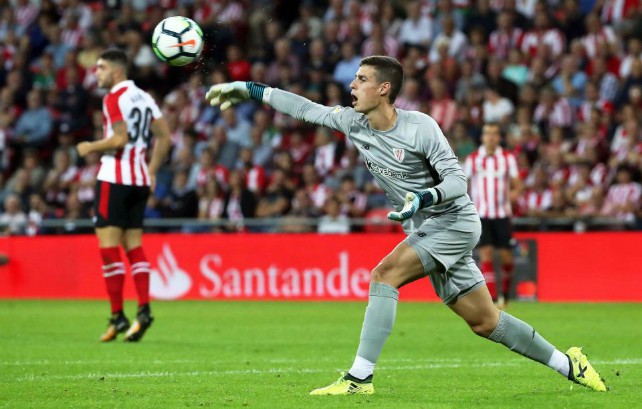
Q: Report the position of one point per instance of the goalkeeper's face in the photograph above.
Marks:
(366, 92)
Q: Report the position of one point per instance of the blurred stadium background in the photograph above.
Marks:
(563, 77)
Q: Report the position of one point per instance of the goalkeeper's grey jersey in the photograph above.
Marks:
(412, 156)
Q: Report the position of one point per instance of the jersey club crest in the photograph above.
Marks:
(399, 154)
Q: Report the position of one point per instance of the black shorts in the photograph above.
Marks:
(120, 205)
(496, 232)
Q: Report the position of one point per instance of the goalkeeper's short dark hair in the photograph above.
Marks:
(387, 69)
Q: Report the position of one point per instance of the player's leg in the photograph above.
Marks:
(486, 249)
(484, 319)
(507, 273)
(114, 275)
(107, 208)
(505, 245)
(400, 267)
(132, 243)
(139, 265)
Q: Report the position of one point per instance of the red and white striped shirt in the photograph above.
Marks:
(536, 200)
(614, 11)
(501, 42)
(490, 177)
(593, 41)
(552, 37)
(128, 165)
(619, 195)
(560, 115)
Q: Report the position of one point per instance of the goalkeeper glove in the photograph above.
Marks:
(231, 93)
(414, 202)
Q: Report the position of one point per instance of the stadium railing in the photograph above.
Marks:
(284, 224)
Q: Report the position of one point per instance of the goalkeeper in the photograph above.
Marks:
(411, 160)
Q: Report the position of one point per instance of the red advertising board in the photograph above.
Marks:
(217, 266)
(589, 266)
(570, 267)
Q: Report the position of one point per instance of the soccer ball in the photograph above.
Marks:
(177, 40)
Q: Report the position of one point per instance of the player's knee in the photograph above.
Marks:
(483, 328)
(383, 273)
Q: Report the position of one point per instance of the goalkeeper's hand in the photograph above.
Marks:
(413, 202)
(231, 93)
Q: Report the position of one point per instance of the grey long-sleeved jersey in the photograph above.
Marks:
(412, 156)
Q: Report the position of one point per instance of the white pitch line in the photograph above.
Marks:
(166, 374)
(47, 362)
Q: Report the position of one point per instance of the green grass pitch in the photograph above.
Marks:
(270, 355)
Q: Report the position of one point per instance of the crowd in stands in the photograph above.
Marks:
(562, 77)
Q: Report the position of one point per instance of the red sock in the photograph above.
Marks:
(140, 272)
(114, 274)
(507, 277)
(488, 270)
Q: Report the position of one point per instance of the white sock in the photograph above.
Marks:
(361, 368)
(559, 362)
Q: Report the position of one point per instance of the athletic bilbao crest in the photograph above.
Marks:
(399, 154)
(169, 281)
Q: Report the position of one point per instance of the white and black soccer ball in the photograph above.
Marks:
(177, 40)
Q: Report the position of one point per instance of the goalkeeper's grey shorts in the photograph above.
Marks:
(449, 239)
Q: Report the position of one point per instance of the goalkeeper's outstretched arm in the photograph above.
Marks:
(298, 107)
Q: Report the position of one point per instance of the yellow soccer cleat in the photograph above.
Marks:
(347, 385)
(117, 323)
(582, 371)
(138, 328)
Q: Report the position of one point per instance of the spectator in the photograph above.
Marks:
(543, 40)
(442, 107)
(240, 203)
(409, 99)
(72, 103)
(57, 47)
(416, 29)
(347, 66)
(623, 197)
(378, 35)
(277, 198)
(302, 212)
(237, 129)
(238, 67)
(211, 203)
(455, 39)
(538, 198)
(607, 81)
(225, 151)
(182, 201)
(326, 152)
(353, 202)
(333, 221)
(634, 53)
(481, 17)
(582, 193)
(34, 126)
(13, 220)
(570, 82)
(32, 167)
(314, 187)
(38, 211)
(597, 35)
(553, 110)
(496, 108)
(59, 180)
(85, 182)
(282, 57)
(254, 176)
(515, 69)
